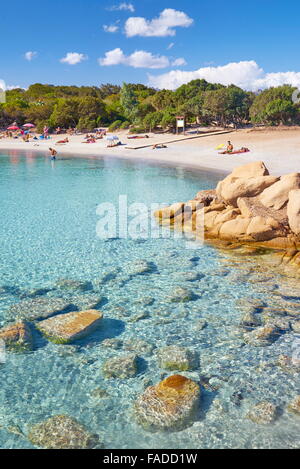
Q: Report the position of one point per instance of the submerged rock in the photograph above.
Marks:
(200, 324)
(113, 343)
(170, 405)
(179, 295)
(139, 346)
(263, 413)
(39, 308)
(294, 406)
(107, 277)
(175, 358)
(74, 285)
(289, 364)
(121, 367)
(66, 328)
(99, 393)
(87, 301)
(296, 326)
(62, 432)
(35, 292)
(262, 336)
(246, 303)
(138, 267)
(188, 276)
(250, 319)
(17, 337)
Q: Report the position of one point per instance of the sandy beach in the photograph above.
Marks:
(279, 148)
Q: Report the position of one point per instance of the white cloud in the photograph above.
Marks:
(112, 28)
(122, 7)
(73, 58)
(2, 86)
(13, 87)
(139, 59)
(179, 62)
(30, 55)
(247, 75)
(158, 27)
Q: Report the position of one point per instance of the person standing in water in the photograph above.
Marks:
(53, 153)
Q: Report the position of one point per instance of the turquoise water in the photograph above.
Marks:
(48, 232)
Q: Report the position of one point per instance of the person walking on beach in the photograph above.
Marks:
(53, 153)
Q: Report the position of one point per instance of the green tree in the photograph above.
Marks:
(152, 120)
(65, 113)
(129, 102)
(275, 106)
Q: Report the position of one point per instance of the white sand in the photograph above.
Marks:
(278, 148)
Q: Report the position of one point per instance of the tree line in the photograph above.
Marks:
(141, 108)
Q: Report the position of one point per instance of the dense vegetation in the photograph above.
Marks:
(142, 108)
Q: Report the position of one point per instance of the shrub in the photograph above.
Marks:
(125, 125)
(138, 130)
(115, 125)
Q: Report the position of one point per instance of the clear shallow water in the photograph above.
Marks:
(48, 232)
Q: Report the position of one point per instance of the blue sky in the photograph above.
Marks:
(255, 43)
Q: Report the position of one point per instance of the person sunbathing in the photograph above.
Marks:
(65, 140)
(90, 140)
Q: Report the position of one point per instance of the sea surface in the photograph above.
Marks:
(48, 233)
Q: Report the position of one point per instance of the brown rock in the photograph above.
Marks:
(170, 405)
(294, 406)
(232, 187)
(62, 432)
(215, 207)
(235, 229)
(66, 328)
(263, 413)
(277, 196)
(206, 197)
(226, 215)
(169, 212)
(17, 337)
(251, 207)
(255, 169)
(293, 211)
(263, 229)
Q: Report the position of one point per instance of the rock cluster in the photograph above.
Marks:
(248, 206)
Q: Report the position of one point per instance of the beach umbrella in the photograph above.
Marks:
(13, 127)
(29, 126)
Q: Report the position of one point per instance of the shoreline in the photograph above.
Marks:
(279, 149)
